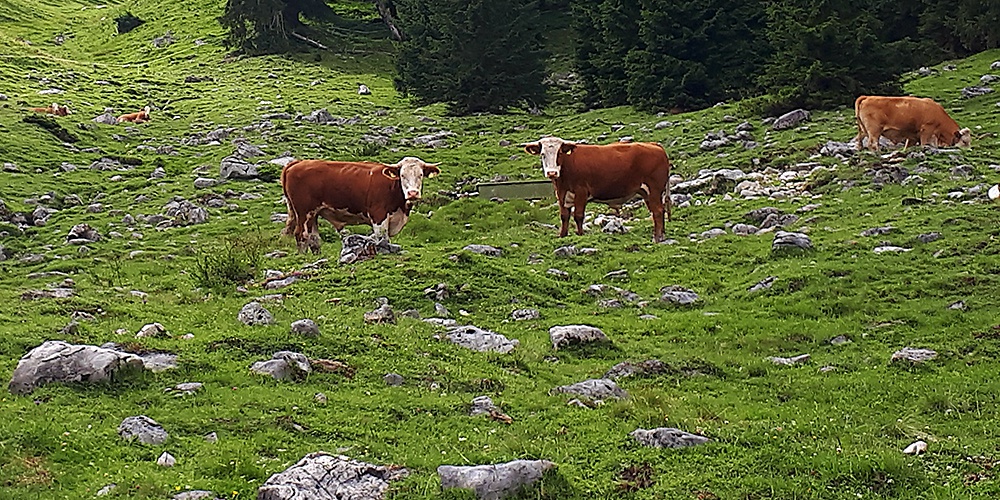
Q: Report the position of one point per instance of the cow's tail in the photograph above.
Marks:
(862, 131)
(291, 222)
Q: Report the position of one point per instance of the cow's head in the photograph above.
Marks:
(963, 138)
(144, 114)
(411, 172)
(552, 150)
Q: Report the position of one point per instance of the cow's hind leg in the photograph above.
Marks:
(874, 133)
(654, 202)
(565, 201)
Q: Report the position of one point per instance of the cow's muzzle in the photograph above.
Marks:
(552, 175)
(412, 195)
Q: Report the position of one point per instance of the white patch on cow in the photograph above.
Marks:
(568, 199)
(644, 188)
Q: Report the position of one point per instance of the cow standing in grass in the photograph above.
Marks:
(911, 119)
(611, 174)
(351, 193)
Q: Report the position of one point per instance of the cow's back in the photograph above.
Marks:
(312, 184)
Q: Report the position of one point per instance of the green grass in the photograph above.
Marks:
(778, 432)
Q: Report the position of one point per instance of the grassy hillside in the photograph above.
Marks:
(777, 431)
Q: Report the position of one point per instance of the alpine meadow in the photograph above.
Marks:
(820, 320)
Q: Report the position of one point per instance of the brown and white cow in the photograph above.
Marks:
(54, 109)
(914, 120)
(351, 193)
(140, 117)
(611, 174)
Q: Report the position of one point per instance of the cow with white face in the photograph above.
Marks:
(611, 174)
(351, 193)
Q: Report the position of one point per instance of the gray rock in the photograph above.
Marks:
(57, 361)
(359, 248)
(107, 489)
(525, 314)
(157, 362)
(786, 240)
(204, 182)
(629, 369)
(667, 437)
(890, 249)
(107, 118)
(186, 388)
(562, 336)
(441, 310)
(567, 251)
(483, 405)
(364, 90)
(929, 237)
(246, 150)
(833, 148)
(393, 379)
(234, 167)
(790, 119)
(957, 306)
(480, 340)
(971, 92)
(306, 327)
(912, 355)
(877, 231)
(759, 215)
(163, 41)
(593, 389)
(281, 283)
(283, 365)
(381, 314)
(744, 229)
(143, 429)
(254, 314)
(152, 330)
(802, 358)
(610, 304)
(493, 482)
(779, 220)
(763, 284)
(166, 460)
(483, 250)
(619, 275)
(675, 294)
(558, 273)
(988, 79)
(321, 476)
(185, 213)
(195, 495)
(662, 125)
(83, 233)
(994, 66)
(840, 340)
(712, 233)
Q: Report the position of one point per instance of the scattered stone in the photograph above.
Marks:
(359, 248)
(929, 237)
(568, 251)
(254, 314)
(166, 460)
(382, 314)
(890, 249)
(185, 213)
(957, 306)
(57, 361)
(483, 405)
(629, 369)
(107, 488)
(306, 327)
(234, 167)
(802, 358)
(912, 355)
(483, 250)
(204, 182)
(877, 231)
(186, 388)
(493, 482)
(744, 229)
(107, 118)
(157, 362)
(283, 365)
(480, 340)
(795, 241)
(152, 330)
(437, 292)
(667, 437)
(790, 119)
(525, 314)
(675, 294)
(163, 41)
(364, 90)
(840, 340)
(593, 389)
(195, 495)
(143, 429)
(970, 92)
(763, 284)
(81, 234)
(916, 448)
(563, 275)
(562, 336)
(712, 233)
(393, 379)
(321, 476)
(441, 310)
(320, 398)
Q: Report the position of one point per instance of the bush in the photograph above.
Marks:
(234, 262)
(127, 22)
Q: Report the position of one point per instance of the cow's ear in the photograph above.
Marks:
(567, 148)
(390, 172)
(533, 148)
(431, 170)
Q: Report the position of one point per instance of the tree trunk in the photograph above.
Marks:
(388, 12)
(290, 16)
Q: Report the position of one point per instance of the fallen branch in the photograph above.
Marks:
(314, 43)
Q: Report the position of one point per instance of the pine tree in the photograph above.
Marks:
(606, 31)
(475, 55)
(827, 52)
(258, 26)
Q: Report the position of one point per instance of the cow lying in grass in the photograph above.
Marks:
(351, 193)
(54, 109)
(140, 117)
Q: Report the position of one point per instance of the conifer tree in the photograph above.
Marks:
(475, 55)
(258, 26)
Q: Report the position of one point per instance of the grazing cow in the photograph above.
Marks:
(912, 119)
(54, 109)
(140, 117)
(351, 193)
(611, 174)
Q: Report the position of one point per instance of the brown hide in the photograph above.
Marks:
(914, 119)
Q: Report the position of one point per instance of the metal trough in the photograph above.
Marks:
(525, 190)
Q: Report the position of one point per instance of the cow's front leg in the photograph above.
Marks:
(579, 207)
